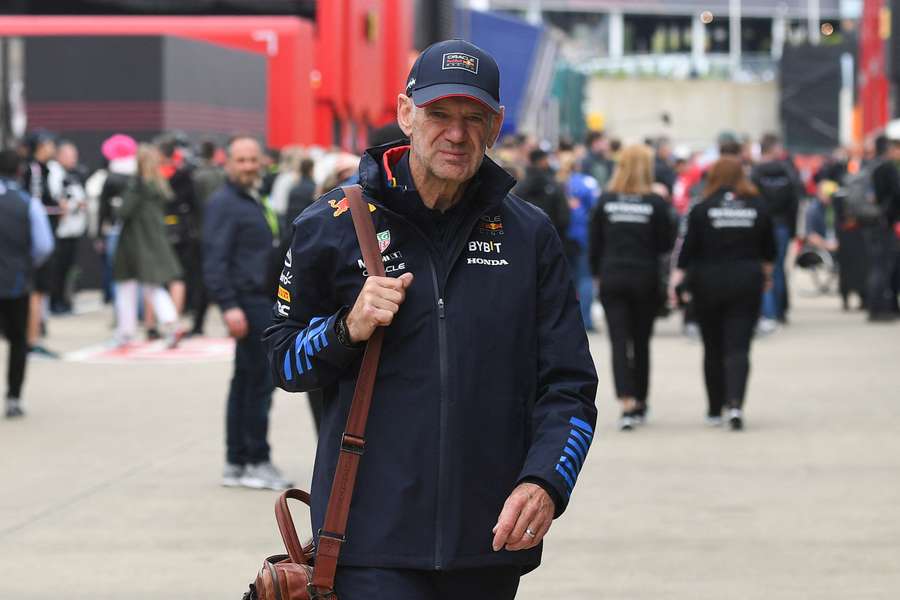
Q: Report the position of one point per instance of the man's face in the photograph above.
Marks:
(45, 151)
(67, 156)
(243, 162)
(894, 150)
(449, 136)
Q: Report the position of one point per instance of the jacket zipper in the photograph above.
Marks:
(444, 374)
(442, 438)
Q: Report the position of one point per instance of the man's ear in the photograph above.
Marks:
(496, 124)
(405, 111)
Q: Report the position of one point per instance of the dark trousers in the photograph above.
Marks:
(881, 249)
(630, 304)
(362, 583)
(250, 396)
(14, 324)
(66, 254)
(727, 314)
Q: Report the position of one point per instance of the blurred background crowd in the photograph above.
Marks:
(100, 98)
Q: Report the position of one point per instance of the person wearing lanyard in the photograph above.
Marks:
(240, 241)
(727, 257)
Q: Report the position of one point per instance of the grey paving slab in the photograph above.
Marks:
(110, 485)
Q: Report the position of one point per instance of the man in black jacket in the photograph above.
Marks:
(240, 237)
(780, 188)
(541, 188)
(483, 408)
(882, 236)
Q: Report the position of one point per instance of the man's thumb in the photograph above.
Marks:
(406, 279)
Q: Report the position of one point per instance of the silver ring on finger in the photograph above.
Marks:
(530, 533)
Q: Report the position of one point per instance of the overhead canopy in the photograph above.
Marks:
(304, 8)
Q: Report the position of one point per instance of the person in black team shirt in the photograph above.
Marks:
(630, 229)
(727, 253)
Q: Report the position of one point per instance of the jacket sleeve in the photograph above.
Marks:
(219, 231)
(41, 233)
(596, 240)
(690, 247)
(304, 351)
(664, 229)
(768, 248)
(563, 416)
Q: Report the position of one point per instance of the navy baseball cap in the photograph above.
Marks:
(454, 68)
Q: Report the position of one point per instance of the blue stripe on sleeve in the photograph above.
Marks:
(578, 449)
(567, 464)
(310, 342)
(569, 482)
(288, 372)
(579, 437)
(575, 457)
(582, 425)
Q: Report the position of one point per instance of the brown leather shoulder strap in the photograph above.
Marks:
(353, 442)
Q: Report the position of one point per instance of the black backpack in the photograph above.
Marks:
(777, 189)
(860, 203)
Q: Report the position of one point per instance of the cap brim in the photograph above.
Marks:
(433, 93)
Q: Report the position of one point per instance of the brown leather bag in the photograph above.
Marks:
(305, 572)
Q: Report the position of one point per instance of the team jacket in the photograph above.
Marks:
(728, 229)
(485, 379)
(630, 232)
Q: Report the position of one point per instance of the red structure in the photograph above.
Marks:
(363, 50)
(874, 89)
(328, 82)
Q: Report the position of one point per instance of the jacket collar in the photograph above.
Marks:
(377, 174)
(239, 191)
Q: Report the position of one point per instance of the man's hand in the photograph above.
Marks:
(378, 302)
(236, 322)
(525, 519)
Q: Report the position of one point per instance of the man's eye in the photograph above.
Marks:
(475, 119)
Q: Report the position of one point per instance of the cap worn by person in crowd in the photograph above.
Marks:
(119, 146)
(892, 131)
(455, 68)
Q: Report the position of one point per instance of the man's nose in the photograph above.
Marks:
(456, 132)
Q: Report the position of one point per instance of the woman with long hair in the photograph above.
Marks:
(144, 258)
(630, 230)
(727, 257)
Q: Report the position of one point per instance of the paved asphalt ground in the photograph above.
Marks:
(110, 486)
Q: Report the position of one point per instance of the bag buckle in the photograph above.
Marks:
(314, 594)
(353, 444)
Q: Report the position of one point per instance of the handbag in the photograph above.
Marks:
(307, 572)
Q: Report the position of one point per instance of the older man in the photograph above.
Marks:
(240, 238)
(483, 409)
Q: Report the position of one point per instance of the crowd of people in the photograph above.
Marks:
(622, 212)
(650, 229)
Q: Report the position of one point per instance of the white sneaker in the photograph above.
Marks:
(713, 421)
(231, 475)
(766, 326)
(736, 419)
(264, 476)
(14, 408)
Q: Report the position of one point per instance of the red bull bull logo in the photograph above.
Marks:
(343, 205)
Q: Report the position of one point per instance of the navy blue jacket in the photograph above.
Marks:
(485, 379)
(238, 247)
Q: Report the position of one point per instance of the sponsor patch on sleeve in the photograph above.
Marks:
(284, 294)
